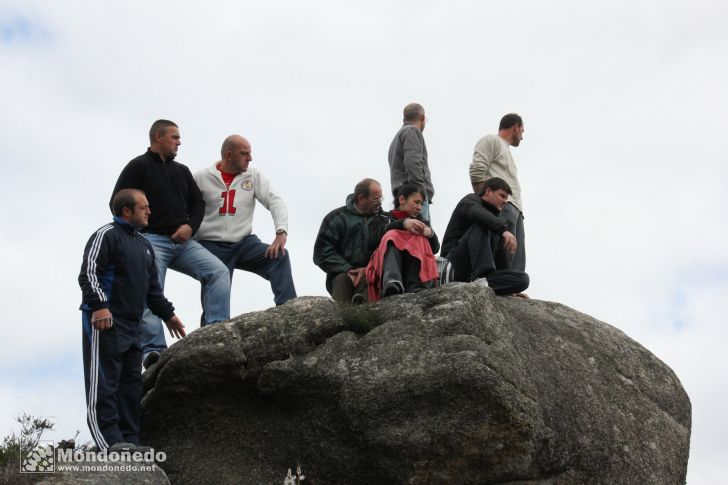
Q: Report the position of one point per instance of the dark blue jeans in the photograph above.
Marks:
(191, 259)
(249, 255)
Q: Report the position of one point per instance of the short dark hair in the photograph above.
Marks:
(495, 183)
(412, 112)
(160, 126)
(510, 120)
(364, 188)
(124, 198)
(407, 189)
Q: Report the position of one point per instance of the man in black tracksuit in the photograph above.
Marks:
(476, 240)
(118, 278)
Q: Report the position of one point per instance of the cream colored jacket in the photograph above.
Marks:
(492, 158)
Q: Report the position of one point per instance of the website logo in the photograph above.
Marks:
(39, 459)
(46, 458)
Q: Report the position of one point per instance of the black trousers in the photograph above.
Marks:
(473, 258)
(112, 369)
(402, 267)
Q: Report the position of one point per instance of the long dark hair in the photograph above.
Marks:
(405, 190)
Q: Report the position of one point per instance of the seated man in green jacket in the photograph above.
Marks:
(346, 240)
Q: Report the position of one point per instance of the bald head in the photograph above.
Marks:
(236, 154)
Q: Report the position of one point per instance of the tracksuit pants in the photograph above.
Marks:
(113, 377)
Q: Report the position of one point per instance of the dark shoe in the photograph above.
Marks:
(122, 446)
(392, 288)
(151, 359)
(141, 448)
(358, 299)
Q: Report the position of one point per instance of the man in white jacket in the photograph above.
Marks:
(230, 188)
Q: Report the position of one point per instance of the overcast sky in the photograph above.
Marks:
(623, 163)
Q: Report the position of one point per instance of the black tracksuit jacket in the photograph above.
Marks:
(119, 273)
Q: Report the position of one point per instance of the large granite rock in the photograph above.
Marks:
(451, 386)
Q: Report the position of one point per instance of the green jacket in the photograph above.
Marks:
(347, 239)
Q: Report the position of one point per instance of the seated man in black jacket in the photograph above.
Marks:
(476, 238)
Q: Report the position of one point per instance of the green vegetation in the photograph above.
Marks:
(360, 319)
(31, 430)
(16, 445)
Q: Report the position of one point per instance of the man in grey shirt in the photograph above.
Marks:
(492, 158)
(408, 156)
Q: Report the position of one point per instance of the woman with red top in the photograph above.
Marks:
(404, 262)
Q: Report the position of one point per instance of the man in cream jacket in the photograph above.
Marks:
(492, 158)
(230, 188)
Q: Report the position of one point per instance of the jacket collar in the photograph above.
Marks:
(350, 204)
(155, 156)
(490, 207)
(130, 228)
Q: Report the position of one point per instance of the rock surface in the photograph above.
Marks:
(450, 386)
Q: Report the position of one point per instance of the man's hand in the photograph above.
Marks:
(278, 246)
(182, 234)
(356, 275)
(509, 242)
(101, 319)
(175, 326)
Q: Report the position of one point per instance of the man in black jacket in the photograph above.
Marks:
(118, 278)
(178, 209)
(476, 239)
